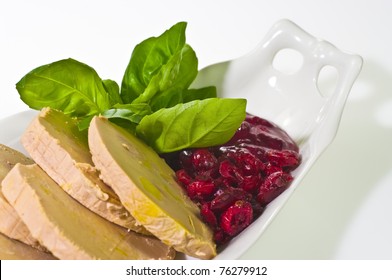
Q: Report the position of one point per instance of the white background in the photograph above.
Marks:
(343, 209)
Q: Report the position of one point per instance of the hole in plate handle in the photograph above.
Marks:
(288, 61)
(327, 80)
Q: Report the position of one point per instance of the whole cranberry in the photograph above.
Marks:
(207, 215)
(227, 197)
(200, 190)
(286, 159)
(250, 183)
(237, 217)
(273, 186)
(227, 169)
(203, 160)
(183, 177)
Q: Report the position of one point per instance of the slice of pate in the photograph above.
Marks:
(10, 223)
(55, 143)
(11, 249)
(147, 187)
(68, 229)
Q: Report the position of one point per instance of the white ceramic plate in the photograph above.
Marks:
(287, 94)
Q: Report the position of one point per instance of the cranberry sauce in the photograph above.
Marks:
(234, 182)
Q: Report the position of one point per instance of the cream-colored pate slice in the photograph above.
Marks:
(56, 144)
(11, 249)
(10, 223)
(147, 187)
(68, 229)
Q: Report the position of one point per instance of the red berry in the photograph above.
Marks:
(250, 183)
(183, 177)
(270, 168)
(222, 201)
(207, 215)
(237, 217)
(227, 197)
(203, 160)
(273, 186)
(199, 190)
(207, 175)
(256, 121)
(248, 163)
(241, 134)
(270, 135)
(220, 237)
(284, 159)
(227, 169)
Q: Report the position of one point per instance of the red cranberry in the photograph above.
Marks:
(250, 183)
(183, 177)
(206, 175)
(248, 163)
(241, 133)
(227, 197)
(203, 160)
(200, 190)
(270, 135)
(285, 159)
(221, 237)
(273, 186)
(270, 168)
(224, 183)
(208, 216)
(227, 169)
(256, 121)
(236, 218)
(257, 208)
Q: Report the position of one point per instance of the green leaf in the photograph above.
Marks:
(173, 77)
(167, 99)
(199, 123)
(67, 85)
(159, 64)
(199, 94)
(130, 112)
(113, 91)
(84, 122)
(175, 96)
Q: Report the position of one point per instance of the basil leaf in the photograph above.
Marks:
(158, 64)
(175, 76)
(167, 99)
(67, 85)
(175, 96)
(84, 122)
(113, 90)
(130, 112)
(199, 94)
(199, 123)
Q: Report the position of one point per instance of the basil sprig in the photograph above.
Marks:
(154, 101)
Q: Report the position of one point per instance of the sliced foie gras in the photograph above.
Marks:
(10, 223)
(11, 249)
(56, 144)
(68, 229)
(147, 187)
